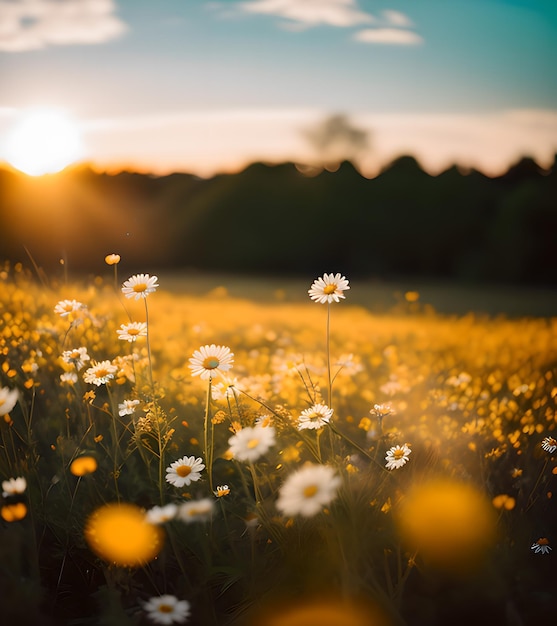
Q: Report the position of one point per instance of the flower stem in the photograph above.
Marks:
(328, 348)
(208, 445)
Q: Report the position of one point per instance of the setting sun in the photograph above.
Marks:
(43, 141)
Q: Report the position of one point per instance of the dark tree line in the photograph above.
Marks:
(458, 225)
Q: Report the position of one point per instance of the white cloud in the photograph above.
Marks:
(396, 18)
(394, 36)
(341, 13)
(36, 24)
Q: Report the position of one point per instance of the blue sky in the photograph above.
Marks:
(208, 86)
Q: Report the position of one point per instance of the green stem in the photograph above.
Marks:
(208, 447)
(328, 344)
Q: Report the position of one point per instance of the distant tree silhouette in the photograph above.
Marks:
(336, 139)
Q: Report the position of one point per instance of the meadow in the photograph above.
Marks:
(178, 452)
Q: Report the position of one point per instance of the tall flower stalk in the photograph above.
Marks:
(324, 290)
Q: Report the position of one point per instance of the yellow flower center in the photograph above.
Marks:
(101, 373)
(140, 287)
(398, 454)
(133, 331)
(183, 470)
(252, 443)
(329, 289)
(310, 491)
(543, 541)
(165, 608)
(211, 363)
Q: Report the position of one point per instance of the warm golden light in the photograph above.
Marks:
(450, 523)
(120, 534)
(43, 141)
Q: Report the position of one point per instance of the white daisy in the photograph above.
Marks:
(100, 373)
(221, 491)
(397, 456)
(76, 357)
(13, 486)
(224, 389)
(308, 490)
(541, 545)
(65, 307)
(8, 399)
(139, 286)
(252, 442)
(184, 471)
(549, 444)
(209, 360)
(315, 417)
(167, 609)
(329, 288)
(161, 514)
(69, 378)
(127, 407)
(130, 332)
(196, 510)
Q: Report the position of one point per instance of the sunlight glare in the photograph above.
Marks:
(43, 141)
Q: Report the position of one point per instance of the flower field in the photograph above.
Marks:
(172, 458)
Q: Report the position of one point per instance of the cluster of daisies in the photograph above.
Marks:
(305, 492)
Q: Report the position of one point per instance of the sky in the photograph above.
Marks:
(205, 86)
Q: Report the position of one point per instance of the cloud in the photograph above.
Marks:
(35, 24)
(396, 18)
(394, 36)
(342, 13)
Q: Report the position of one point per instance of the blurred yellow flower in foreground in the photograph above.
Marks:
(450, 523)
(112, 259)
(120, 534)
(83, 465)
(322, 612)
(13, 512)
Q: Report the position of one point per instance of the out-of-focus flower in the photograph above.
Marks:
(130, 332)
(83, 465)
(381, 411)
(112, 259)
(65, 307)
(224, 389)
(504, 501)
(453, 523)
(8, 399)
(139, 286)
(76, 357)
(161, 514)
(196, 510)
(100, 373)
(127, 407)
(13, 512)
(121, 534)
(397, 456)
(167, 609)
(541, 546)
(209, 360)
(184, 471)
(308, 490)
(70, 378)
(328, 289)
(14, 486)
(252, 442)
(549, 444)
(221, 491)
(315, 417)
